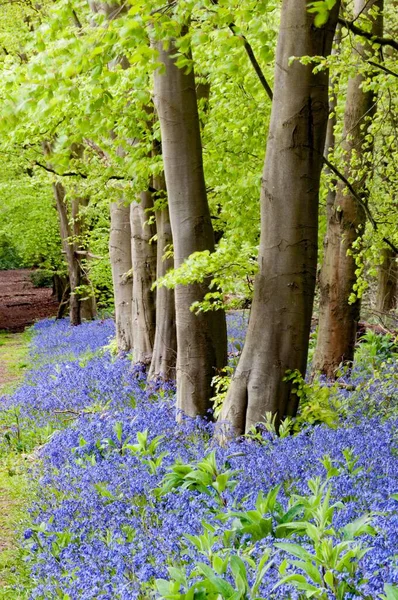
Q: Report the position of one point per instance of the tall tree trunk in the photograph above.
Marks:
(71, 234)
(88, 305)
(201, 339)
(74, 271)
(346, 221)
(143, 255)
(387, 282)
(165, 346)
(120, 257)
(280, 320)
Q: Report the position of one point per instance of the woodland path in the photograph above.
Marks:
(21, 304)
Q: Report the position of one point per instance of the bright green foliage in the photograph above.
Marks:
(205, 477)
(330, 566)
(376, 350)
(70, 89)
(328, 559)
(28, 221)
(321, 8)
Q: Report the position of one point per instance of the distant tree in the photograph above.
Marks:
(338, 316)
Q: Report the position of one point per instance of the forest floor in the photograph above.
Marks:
(21, 304)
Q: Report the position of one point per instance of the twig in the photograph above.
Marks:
(88, 254)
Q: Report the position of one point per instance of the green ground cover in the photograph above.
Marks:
(15, 486)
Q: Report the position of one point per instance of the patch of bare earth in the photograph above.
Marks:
(21, 304)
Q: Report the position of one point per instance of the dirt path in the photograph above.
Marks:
(21, 304)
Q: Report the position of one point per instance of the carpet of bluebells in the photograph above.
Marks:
(104, 527)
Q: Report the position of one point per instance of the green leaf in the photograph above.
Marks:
(391, 591)
(238, 568)
(291, 513)
(295, 549)
(299, 581)
(118, 429)
(358, 527)
(221, 586)
(329, 579)
(103, 491)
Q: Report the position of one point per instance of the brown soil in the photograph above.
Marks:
(21, 304)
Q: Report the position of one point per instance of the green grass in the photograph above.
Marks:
(14, 359)
(16, 485)
(15, 495)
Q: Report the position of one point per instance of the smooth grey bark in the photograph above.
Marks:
(164, 356)
(280, 320)
(143, 256)
(120, 257)
(346, 222)
(387, 282)
(201, 338)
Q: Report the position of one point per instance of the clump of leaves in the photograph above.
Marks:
(374, 349)
(204, 476)
(319, 402)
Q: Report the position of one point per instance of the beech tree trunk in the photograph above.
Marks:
(201, 339)
(346, 221)
(71, 232)
(120, 257)
(143, 255)
(88, 304)
(387, 282)
(165, 346)
(74, 271)
(280, 320)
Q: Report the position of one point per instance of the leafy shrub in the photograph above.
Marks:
(41, 278)
(373, 349)
(9, 257)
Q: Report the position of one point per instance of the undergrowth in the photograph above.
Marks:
(132, 505)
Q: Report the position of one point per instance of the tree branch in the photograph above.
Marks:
(382, 67)
(392, 246)
(77, 174)
(67, 174)
(368, 34)
(360, 201)
(254, 61)
(252, 58)
(88, 254)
